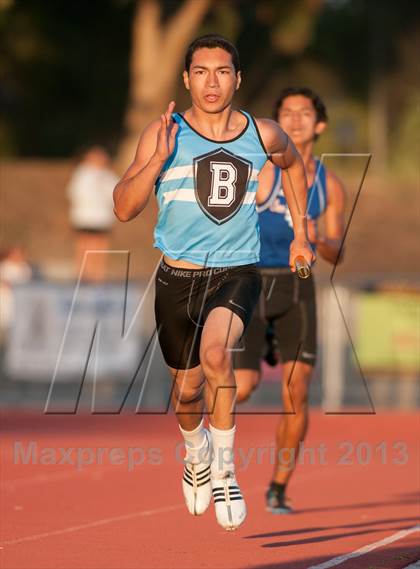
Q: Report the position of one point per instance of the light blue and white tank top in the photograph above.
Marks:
(206, 197)
(276, 227)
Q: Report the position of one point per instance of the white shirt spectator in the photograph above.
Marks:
(90, 193)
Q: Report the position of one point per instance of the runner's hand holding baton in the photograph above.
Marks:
(301, 256)
(303, 268)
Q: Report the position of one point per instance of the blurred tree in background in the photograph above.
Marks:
(63, 83)
(158, 48)
(159, 44)
(74, 73)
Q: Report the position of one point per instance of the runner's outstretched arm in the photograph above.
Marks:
(283, 154)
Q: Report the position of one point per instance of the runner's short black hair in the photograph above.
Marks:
(318, 103)
(211, 41)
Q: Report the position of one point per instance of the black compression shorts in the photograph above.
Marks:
(287, 307)
(184, 299)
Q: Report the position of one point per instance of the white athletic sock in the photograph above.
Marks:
(222, 451)
(194, 441)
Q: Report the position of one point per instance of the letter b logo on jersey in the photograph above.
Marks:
(221, 180)
(223, 184)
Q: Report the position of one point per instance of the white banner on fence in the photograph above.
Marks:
(56, 330)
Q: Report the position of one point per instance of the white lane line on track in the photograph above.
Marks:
(10, 485)
(88, 525)
(366, 549)
(101, 522)
(415, 565)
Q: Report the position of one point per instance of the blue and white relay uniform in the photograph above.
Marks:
(207, 216)
(286, 312)
(206, 197)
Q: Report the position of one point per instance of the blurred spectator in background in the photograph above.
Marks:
(14, 266)
(91, 211)
(15, 269)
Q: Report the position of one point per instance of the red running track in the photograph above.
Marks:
(357, 489)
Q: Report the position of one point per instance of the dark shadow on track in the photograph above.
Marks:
(326, 528)
(330, 537)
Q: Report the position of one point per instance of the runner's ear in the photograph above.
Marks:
(238, 80)
(186, 80)
(320, 127)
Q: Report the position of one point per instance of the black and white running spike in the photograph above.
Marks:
(228, 502)
(196, 481)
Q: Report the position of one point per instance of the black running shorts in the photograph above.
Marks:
(287, 305)
(184, 299)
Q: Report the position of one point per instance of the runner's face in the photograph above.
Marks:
(212, 80)
(297, 117)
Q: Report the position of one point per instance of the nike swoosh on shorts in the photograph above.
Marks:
(238, 305)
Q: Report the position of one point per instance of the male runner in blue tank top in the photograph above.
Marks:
(203, 165)
(286, 314)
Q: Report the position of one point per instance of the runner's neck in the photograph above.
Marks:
(305, 150)
(218, 126)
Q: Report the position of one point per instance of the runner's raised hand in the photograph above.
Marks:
(166, 135)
